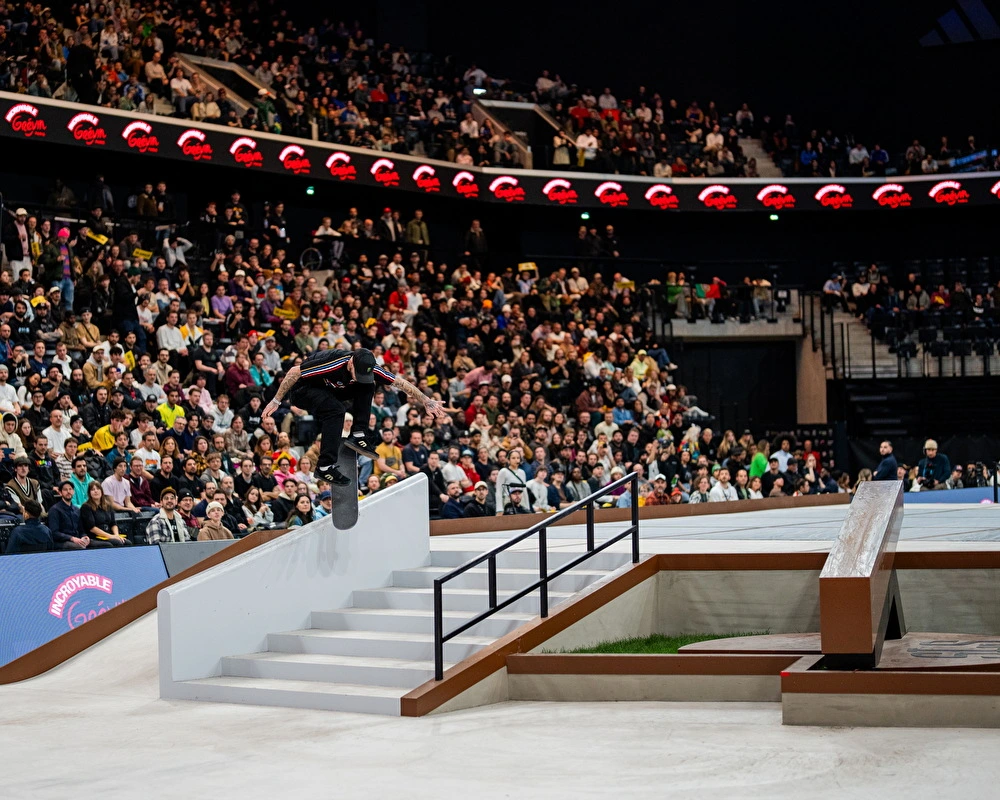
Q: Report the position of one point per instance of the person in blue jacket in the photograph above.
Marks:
(30, 536)
(886, 470)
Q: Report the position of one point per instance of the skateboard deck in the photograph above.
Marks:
(345, 498)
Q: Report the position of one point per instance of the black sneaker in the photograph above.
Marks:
(360, 445)
(333, 475)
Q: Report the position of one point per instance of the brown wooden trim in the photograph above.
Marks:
(936, 559)
(450, 527)
(606, 664)
(434, 694)
(800, 679)
(948, 559)
(62, 648)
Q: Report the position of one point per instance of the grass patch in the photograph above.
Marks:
(657, 643)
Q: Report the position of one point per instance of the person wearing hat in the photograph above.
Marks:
(955, 479)
(212, 528)
(167, 525)
(17, 241)
(934, 469)
(659, 496)
(22, 485)
(388, 480)
(477, 506)
(325, 506)
(513, 506)
(328, 384)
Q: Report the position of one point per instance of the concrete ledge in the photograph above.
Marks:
(891, 710)
(650, 688)
(597, 677)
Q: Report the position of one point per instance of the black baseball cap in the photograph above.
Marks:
(364, 366)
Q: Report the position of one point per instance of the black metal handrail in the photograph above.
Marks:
(440, 637)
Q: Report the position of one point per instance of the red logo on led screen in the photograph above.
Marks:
(293, 158)
(139, 136)
(611, 194)
(560, 191)
(892, 195)
(244, 152)
(776, 197)
(506, 188)
(384, 171)
(23, 118)
(661, 196)
(949, 192)
(995, 190)
(425, 178)
(341, 168)
(465, 184)
(717, 196)
(87, 128)
(192, 143)
(833, 195)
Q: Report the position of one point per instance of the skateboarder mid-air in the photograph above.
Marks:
(328, 384)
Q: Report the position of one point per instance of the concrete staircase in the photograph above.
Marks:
(853, 350)
(366, 657)
(752, 148)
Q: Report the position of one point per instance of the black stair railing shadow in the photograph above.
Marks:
(544, 576)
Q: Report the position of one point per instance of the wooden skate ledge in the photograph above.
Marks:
(855, 578)
(449, 527)
(64, 647)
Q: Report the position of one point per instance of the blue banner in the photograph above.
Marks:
(980, 495)
(44, 595)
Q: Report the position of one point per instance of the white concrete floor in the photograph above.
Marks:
(96, 728)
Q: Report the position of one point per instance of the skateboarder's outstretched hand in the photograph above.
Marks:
(435, 408)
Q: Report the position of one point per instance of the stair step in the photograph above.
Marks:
(475, 600)
(375, 644)
(407, 621)
(528, 559)
(299, 694)
(509, 580)
(352, 670)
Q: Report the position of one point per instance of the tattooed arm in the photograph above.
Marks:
(433, 407)
(284, 388)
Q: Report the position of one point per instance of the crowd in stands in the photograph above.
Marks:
(327, 81)
(650, 135)
(918, 299)
(330, 80)
(132, 384)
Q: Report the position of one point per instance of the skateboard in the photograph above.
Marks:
(345, 498)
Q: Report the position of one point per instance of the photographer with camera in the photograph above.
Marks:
(934, 469)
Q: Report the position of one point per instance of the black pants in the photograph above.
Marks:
(329, 406)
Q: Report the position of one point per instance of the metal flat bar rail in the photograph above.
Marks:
(542, 584)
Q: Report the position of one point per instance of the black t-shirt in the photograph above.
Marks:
(265, 483)
(242, 485)
(208, 358)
